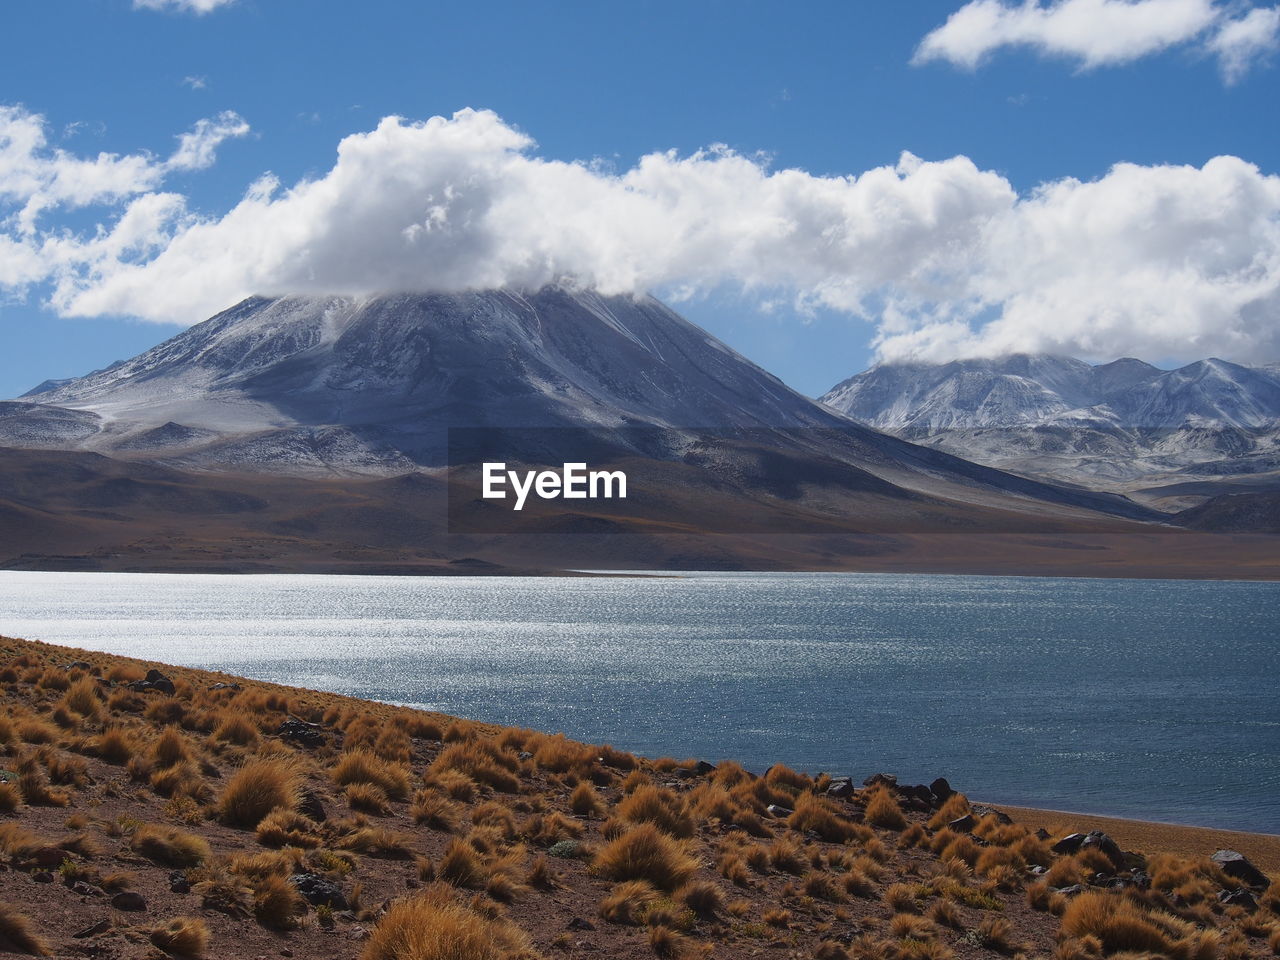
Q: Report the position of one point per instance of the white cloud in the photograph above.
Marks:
(1103, 32)
(1169, 261)
(195, 83)
(198, 149)
(1242, 42)
(944, 258)
(35, 178)
(186, 6)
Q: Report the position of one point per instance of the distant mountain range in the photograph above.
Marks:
(1123, 426)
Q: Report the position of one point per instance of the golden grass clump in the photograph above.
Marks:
(420, 727)
(585, 802)
(452, 783)
(665, 942)
(627, 903)
(646, 853)
(434, 926)
(182, 937)
(236, 727)
(169, 846)
(819, 815)
(35, 730)
(963, 847)
(462, 865)
(546, 829)
(434, 810)
(481, 760)
(170, 748)
(953, 808)
(258, 788)
(18, 935)
(82, 698)
(367, 797)
(288, 828)
(115, 745)
(364, 766)
(33, 783)
(702, 897)
(782, 776)
(1116, 922)
(277, 903)
(883, 810)
(558, 754)
(659, 806)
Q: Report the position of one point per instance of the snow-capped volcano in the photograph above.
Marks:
(368, 383)
(370, 386)
(1115, 424)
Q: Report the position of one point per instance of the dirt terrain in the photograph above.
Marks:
(153, 811)
(81, 511)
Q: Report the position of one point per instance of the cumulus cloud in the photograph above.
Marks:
(1104, 32)
(185, 6)
(945, 259)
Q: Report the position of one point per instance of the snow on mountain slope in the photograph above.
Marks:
(1117, 425)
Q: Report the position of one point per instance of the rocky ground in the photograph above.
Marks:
(154, 811)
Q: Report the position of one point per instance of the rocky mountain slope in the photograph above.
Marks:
(1123, 426)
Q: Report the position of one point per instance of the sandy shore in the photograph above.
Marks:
(1150, 837)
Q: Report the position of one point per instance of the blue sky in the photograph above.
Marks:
(827, 88)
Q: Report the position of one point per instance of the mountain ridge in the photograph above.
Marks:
(1118, 426)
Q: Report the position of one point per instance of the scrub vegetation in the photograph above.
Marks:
(150, 811)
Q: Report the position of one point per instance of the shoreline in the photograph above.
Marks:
(1186, 839)
(1154, 836)
(493, 571)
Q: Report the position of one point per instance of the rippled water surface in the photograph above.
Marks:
(1144, 698)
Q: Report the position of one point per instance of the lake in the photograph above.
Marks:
(1142, 698)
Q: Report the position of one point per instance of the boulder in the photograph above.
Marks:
(963, 824)
(318, 891)
(704, 769)
(1097, 840)
(129, 900)
(888, 779)
(779, 811)
(154, 680)
(1238, 898)
(1068, 844)
(982, 810)
(300, 732)
(48, 856)
(1236, 864)
(941, 789)
(841, 788)
(102, 926)
(919, 791)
